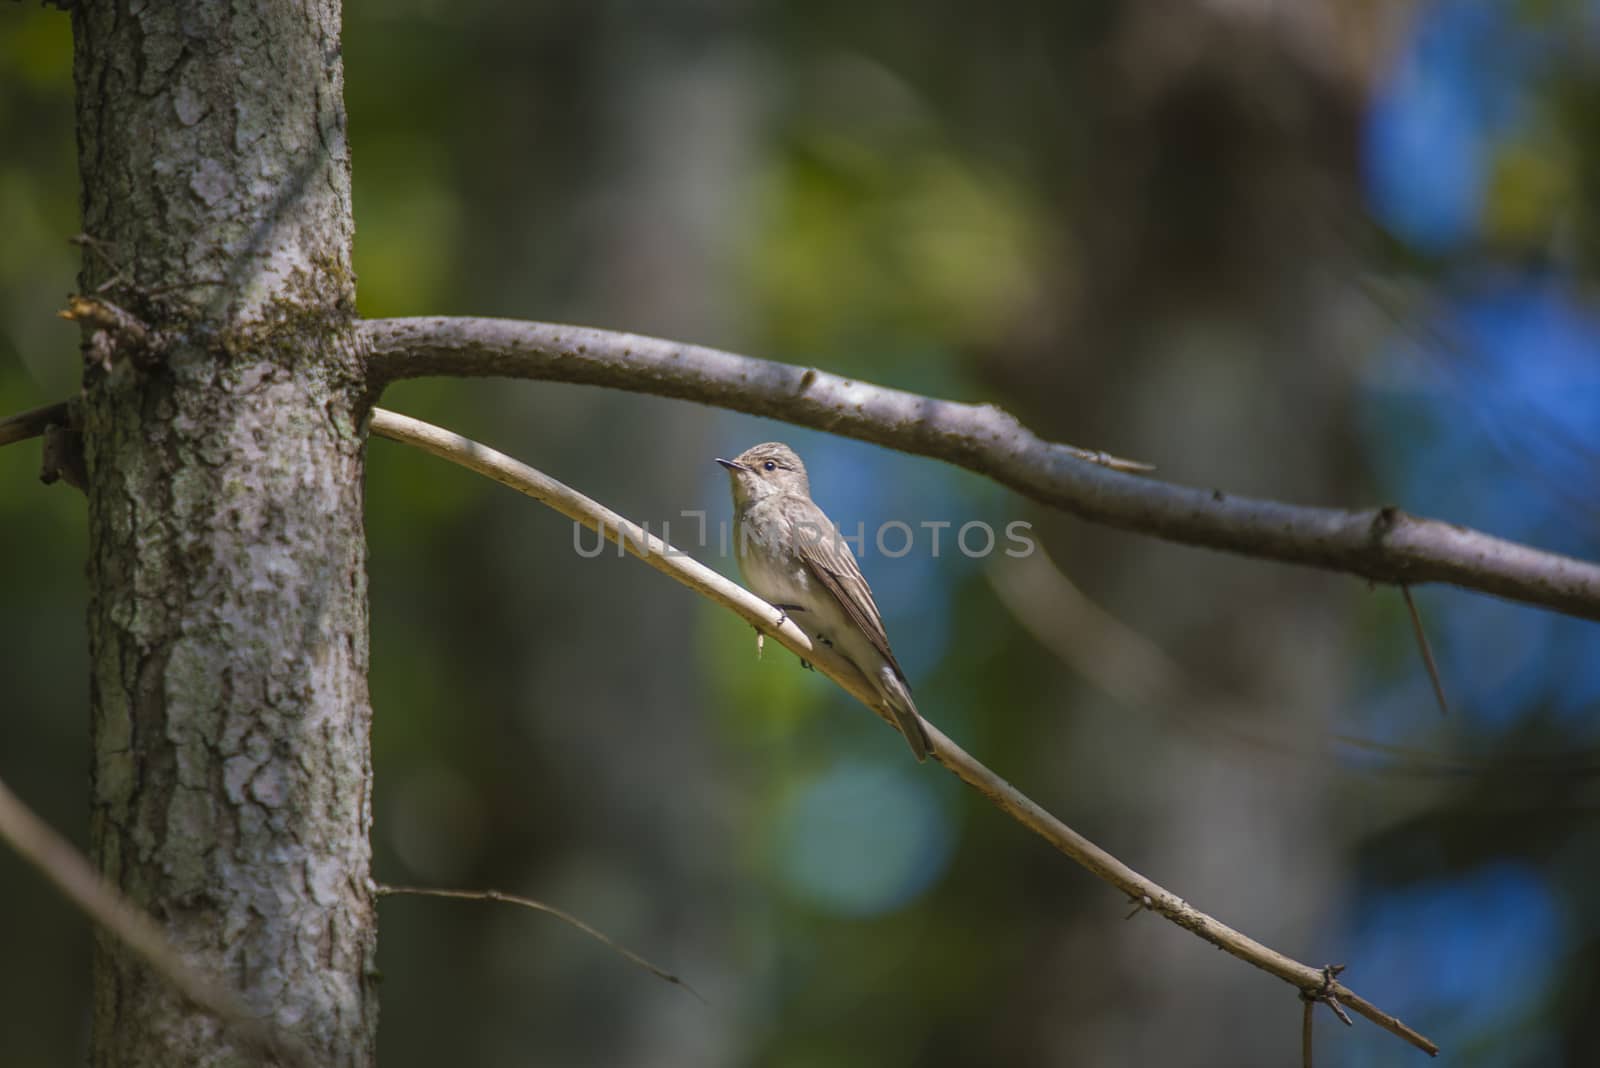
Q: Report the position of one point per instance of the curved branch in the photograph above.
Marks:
(690, 572)
(1382, 544)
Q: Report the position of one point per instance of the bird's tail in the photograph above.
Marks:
(897, 697)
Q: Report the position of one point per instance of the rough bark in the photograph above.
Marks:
(228, 620)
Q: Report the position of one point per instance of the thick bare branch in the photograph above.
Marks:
(683, 568)
(1380, 544)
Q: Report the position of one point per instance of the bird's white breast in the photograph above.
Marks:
(772, 568)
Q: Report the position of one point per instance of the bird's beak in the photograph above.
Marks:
(732, 465)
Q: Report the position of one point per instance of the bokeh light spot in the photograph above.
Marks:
(862, 839)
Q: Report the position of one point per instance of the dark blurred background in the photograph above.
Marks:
(1334, 252)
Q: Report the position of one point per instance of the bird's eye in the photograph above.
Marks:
(770, 466)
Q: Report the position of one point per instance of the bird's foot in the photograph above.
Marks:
(784, 610)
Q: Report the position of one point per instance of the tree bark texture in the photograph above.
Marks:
(228, 619)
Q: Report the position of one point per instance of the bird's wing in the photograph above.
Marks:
(829, 558)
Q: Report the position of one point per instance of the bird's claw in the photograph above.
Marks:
(783, 612)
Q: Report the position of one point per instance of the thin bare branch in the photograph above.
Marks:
(1309, 1008)
(1425, 649)
(627, 954)
(71, 873)
(1382, 544)
(682, 568)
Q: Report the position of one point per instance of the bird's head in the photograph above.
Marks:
(764, 470)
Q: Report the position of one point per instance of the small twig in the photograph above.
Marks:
(1427, 650)
(71, 873)
(684, 569)
(1101, 458)
(1308, 1009)
(111, 332)
(100, 314)
(101, 251)
(119, 275)
(550, 910)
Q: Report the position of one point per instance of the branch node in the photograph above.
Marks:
(111, 332)
(1325, 993)
(1105, 459)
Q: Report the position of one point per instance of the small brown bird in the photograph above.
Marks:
(791, 554)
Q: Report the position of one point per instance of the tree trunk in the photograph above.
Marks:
(228, 619)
